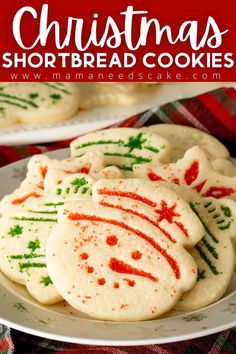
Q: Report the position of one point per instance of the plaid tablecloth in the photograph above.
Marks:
(213, 112)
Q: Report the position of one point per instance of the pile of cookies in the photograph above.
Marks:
(134, 223)
(53, 102)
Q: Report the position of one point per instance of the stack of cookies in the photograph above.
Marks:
(133, 224)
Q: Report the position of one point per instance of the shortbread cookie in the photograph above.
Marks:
(129, 238)
(23, 242)
(99, 94)
(224, 167)
(123, 147)
(37, 102)
(193, 171)
(183, 138)
(24, 236)
(214, 254)
(39, 183)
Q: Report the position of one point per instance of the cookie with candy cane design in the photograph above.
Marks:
(193, 171)
(38, 184)
(123, 253)
(123, 147)
(24, 235)
(183, 138)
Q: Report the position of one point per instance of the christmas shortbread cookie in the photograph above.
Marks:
(118, 255)
(123, 147)
(24, 235)
(193, 171)
(183, 138)
(45, 173)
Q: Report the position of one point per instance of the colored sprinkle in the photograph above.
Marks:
(26, 256)
(207, 260)
(101, 281)
(33, 245)
(46, 281)
(84, 256)
(112, 240)
(119, 266)
(16, 230)
(28, 265)
(116, 285)
(136, 255)
(90, 269)
(34, 219)
(227, 211)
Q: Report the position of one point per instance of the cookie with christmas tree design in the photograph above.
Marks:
(38, 184)
(123, 147)
(118, 255)
(24, 236)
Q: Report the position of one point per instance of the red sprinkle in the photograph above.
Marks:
(191, 173)
(84, 256)
(44, 171)
(23, 199)
(85, 169)
(90, 269)
(101, 281)
(136, 255)
(172, 262)
(130, 195)
(166, 212)
(119, 266)
(116, 285)
(175, 180)
(154, 177)
(112, 240)
(219, 192)
(199, 187)
(130, 282)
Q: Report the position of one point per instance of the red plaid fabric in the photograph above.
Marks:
(213, 112)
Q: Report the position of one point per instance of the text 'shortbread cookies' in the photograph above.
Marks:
(193, 171)
(123, 147)
(37, 102)
(118, 255)
(183, 138)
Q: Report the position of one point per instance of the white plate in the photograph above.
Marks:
(98, 118)
(18, 310)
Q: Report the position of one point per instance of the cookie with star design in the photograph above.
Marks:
(129, 237)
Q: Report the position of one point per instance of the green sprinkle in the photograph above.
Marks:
(55, 96)
(16, 230)
(135, 142)
(54, 204)
(207, 260)
(79, 182)
(201, 274)
(227, 211)
(59, 191)
(210, 248)
(85, 190)
(43, 211)
(33, 245)
(26, 266)
(225, 227)
(34, 95)
(46, 281)
(27, 256)
(35, 219)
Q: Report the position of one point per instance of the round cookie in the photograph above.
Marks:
(37, 102)
(224, 167)
(98, 94)
(103, 254)
(183, 138)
